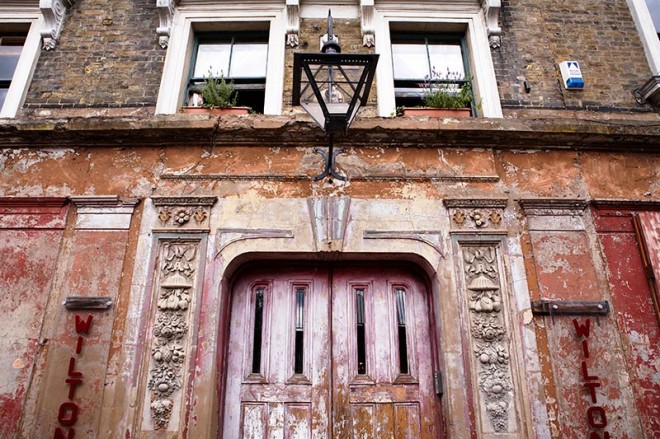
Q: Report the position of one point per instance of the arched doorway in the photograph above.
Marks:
(341, 350)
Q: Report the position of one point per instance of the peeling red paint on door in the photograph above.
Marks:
(631, 300)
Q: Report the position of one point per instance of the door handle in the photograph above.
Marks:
(437, 382)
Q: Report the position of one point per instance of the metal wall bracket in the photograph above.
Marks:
(570, 308)
(78, 302)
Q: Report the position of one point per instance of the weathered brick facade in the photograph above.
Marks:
(108, 56)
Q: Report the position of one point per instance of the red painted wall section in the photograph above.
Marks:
(30, 236)
(92, 267)
(567, 270)
(633, 307)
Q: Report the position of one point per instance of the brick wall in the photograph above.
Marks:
(599, 34)
(350, 39)
(107, 56)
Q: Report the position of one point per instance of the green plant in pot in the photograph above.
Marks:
(451, 91)
(218, 93)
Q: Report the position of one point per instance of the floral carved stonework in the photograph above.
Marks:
(183, 213)
(489, 337)
(175, 288)
(476, 214)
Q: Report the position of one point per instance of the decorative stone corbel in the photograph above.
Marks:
(492, 13)
(54, 12)
(367, 23)
(165, 13)
(293, 22)
(329, 218)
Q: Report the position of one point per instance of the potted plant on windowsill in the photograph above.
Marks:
(445, 96)
(217, 97)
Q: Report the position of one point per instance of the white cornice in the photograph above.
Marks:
(54, 12)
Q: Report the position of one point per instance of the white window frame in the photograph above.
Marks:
(479, 56)
(28, 59)
(177, 61)
(647, 33)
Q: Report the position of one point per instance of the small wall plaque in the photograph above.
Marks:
(78, 302)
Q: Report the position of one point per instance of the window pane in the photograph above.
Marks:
(249, 61)
(299, 347)
(654, 9)
(8, 59)
(214, 58)
(258, 330)
(447, 61)
(3, 95)
(410, 61)
(401, 326)
(361, 338)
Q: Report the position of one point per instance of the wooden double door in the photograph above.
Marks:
(330, 351)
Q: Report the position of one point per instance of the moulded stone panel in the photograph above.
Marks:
(91, 266)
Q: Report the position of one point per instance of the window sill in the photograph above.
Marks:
(437, 112)
(216, 111)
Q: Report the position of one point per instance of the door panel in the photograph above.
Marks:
(394, 396)
(320, 351)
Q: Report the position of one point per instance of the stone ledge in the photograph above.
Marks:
(298, 130)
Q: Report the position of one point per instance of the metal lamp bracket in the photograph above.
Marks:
(330, 164)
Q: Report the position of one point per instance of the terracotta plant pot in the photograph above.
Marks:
(216, 111)
(437, 112)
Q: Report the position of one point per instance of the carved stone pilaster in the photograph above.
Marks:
(367, 23)
(476, 214)
(54, 12)
(293, 22)
(492, 14)
(183, 214)
(176, 280)
(489, 339)
(165, 13)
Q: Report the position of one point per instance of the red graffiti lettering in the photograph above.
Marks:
(82, 326)
(585, 348)
(68, 414)
(73, 383)
(596, 435)
(72, 366)
(582, 329)
(591, 411)
(585, 373)
(79, 345)
(592, 390)
(59, 434)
